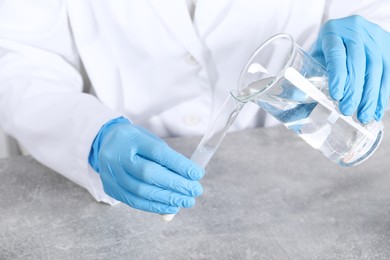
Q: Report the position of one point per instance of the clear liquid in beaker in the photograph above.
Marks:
(320, 127)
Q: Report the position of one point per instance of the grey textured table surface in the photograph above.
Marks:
(267, 195)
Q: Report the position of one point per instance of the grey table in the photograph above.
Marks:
(267, 195)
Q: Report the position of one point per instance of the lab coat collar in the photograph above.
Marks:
(208, 14)
(180, 24)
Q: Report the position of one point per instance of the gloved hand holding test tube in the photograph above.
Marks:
(214, 136)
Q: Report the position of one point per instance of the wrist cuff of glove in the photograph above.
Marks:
(93, 154)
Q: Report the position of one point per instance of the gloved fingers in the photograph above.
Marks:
(357, 34)
(356, 66)
(151, 192)
(157, 175)
(335, 58)
(167, 157)
(383, 92)
(117, 192)
(373, 78)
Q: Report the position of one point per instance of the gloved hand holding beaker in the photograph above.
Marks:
(292, 86)
(142, 171)
(356, 55)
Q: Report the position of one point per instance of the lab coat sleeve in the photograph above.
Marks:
(41, 99)
(376, 11)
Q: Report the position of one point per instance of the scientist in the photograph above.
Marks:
(89, 87)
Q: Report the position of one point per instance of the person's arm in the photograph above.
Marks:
(41, 99)
(354, 49)
(376, 11)
(43, 107)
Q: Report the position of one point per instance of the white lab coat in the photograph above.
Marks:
(145, 59)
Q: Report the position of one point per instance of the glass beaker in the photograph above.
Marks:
(292, 86)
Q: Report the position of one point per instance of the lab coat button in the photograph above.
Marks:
(191, 120)
(191, 60)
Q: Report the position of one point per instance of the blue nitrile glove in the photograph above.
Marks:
(142, 171)
(356, 55)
